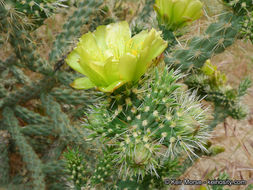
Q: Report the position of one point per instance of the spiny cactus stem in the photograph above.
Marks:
(219, 117)
(55, 150)
(54, 167)
(4, 159)
(28, 92)
(34, 164)
(30, 117)
(216, 38)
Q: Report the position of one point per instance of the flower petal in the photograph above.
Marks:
(82, 83)
(157, 46)
(193, 10)
(179, 7)
(112, 86)
(88, 43)
(168, 6)
(111, 70)
(154, 46)
(127, 67)
(117, 34)
(110, 58)
(73, 61)
(93, 71)
(137, 41)
(158, 4)
(142, 64)
(100, 36)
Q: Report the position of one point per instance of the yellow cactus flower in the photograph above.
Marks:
(109, 57)
(217, 79)
(175, 14)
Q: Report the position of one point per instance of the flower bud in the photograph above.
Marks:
(174, 14)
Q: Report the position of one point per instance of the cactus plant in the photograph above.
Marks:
(142, 134)
(244, 9)
(132, 135)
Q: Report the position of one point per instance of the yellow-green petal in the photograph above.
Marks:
(157, 46)
(127, 67)
(109, 57)
(158, 4)
(89, 44)
(112, 86)
(100, 37)
(193, 10)
(112, 70)
(154, 46)
(117, 34)
(73, 61)
(136, 42)
(168, 6)
(82, 83)
(178, 9)
(93, 72)
(142, 64)
(94, 69)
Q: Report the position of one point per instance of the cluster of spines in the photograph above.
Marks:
(167, 110)
(36, 8)
(166, 122)
(247, 26)
(167, 170)
(104, 173)
(245, 9)
(240, 7)
(26, 14)
(76, 167)
(223, 96)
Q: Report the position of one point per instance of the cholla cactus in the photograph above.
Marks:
(109, 57)
(247, 27)
(29, 14)
(240, 7)
(76, 167)
(175, 14)
(162, 122)
(243, 8)
(213, 84)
